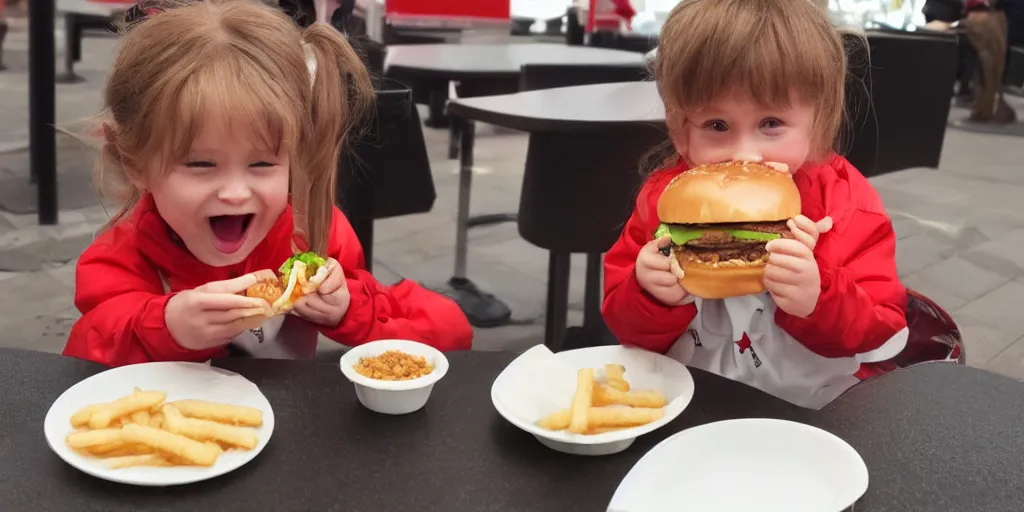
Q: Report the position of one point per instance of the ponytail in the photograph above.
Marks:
(342, 95)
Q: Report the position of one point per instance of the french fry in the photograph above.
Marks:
(556, 421)
(81, 417)
(140, 417)
(614, 373)
(206, 430)
(125, 450)
(156, 420)
(150, 459)
(221, 413)
(604, 419)
(137, 401)
(200, 454)
(622, 416)
(581, 401)
(605, 394)
(84, 439)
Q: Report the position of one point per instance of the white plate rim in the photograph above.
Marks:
(605, 438)
(97, 471)
(840, 442)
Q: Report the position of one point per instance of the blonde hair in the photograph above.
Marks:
(245, 60)
(770, 50)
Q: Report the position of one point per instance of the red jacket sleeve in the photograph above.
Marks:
(405, 310)
(862, 303)
(633, 316)
(122, 304)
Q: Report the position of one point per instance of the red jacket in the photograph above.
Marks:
(862, 303)
(122, 299)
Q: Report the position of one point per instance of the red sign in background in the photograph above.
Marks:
(444, 12)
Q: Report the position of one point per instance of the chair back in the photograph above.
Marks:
(553, 213)
(898, 96)
(549, 76)
(386, 172)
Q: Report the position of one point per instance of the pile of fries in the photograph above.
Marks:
(599, 407)
(142, 429)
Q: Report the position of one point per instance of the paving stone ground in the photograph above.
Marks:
(960, 229)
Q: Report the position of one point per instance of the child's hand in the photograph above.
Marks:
(791, 275)
(658, 274)
(211, 315)
(807, 231)
(330, 302)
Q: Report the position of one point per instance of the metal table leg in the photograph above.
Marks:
(482, 309)
(42, 102)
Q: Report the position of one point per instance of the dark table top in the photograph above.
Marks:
(567, 108)
(493, 61)
(935, 438)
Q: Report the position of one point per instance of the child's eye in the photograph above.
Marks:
(771, 124)
(261, 164)
(716, 125)
(200, 164)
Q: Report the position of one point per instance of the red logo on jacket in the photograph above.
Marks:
(744, 345)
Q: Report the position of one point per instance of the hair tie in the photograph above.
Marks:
(137, 12)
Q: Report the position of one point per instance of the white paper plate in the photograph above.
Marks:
(747, 464)
(180, 381)
(538, 383)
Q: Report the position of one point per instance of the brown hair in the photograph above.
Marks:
(187, 58)
(767, 49)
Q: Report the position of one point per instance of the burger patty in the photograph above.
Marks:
(750, 254)
(718, 237)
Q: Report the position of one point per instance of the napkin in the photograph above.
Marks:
(537, 385)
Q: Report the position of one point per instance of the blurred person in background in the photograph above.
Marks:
(990, 27)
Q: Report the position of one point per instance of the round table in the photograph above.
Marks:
(585, 145)
(456, 62)
(937, 437)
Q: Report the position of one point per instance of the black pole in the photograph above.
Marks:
(42, 98)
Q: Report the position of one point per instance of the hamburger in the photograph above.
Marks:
(720, 216)
(299, 276)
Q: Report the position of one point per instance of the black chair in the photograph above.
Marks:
(391, 151)
(556, 214)
(898, 96)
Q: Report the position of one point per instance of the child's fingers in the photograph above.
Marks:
(663, 279)
(781, 275)
(226, 301)
(801, 233)
(675, 269)
(786, 261)
(790, 247)
(653, 263)
(824, 225)
(334, 280)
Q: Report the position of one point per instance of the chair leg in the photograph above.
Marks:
(593, 293)
(558, 300)
(3, 36)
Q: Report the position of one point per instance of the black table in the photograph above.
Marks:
(936, 438)
(603, 129)
(479, 70)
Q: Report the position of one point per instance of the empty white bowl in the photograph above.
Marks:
(394, 396)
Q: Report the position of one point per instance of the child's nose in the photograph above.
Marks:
(235, 191)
